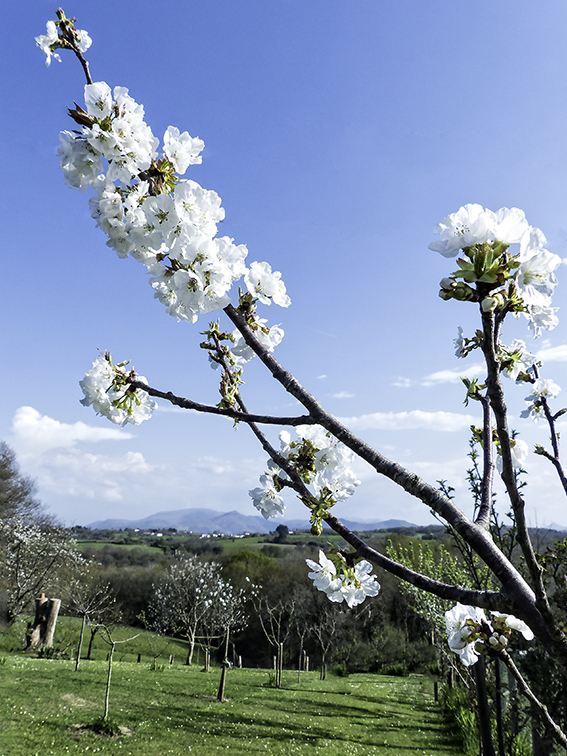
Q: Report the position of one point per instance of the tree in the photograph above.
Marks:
(92, 600)
(17, 491)
(187, 602)
(33, 559)
(169, 225)
(276, 620)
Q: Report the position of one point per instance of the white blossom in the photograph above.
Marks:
(519, 452)
(516, 624)
(459, 632)
(100, 393)
(84, 39)
(521, 360)
(266, 285)
(182, 149)
(473, 224)
(267, 499)
(350, 586)
(268, 338)
(542, 387)
(536, 280)
(541, 318)
(459, 343)
(45, 43)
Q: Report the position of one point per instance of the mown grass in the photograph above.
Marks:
(100, 545)
(174, 711)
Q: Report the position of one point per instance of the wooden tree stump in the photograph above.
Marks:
(41, 633)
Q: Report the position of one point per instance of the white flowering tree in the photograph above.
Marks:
(34, 560)
(194, 601)
(168, 224)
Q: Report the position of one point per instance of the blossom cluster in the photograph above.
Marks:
(522, 281)
(148, 213)
(51, 41)
(470, 633)
(321, 461)
(351, 585)
(106, 388)
(542, 388)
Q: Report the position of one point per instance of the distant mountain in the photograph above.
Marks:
(211, 521)
(555, 526)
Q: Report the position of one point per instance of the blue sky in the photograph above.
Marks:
(338, 134)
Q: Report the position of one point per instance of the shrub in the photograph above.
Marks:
(457, 708)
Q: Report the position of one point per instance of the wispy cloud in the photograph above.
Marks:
(441, 376)
(440, 421)
(342, 395)
(453, 376)
(553, 354)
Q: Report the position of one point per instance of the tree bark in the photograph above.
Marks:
(483, 709)
(78, 659)
(46, 612)
(107, 695)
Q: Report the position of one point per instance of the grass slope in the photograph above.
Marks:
(174, 711)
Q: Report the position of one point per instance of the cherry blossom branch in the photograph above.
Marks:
(485, 509)
(69, 40)
(240, 415)
(551, 420)
(493, 600)
(497, 402)
(514, 586)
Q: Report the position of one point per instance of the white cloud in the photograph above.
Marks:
(440, 421)
(342, 395)
(402, 382)
(453, 376)
(442, 376)
(82, 485)
(35, 433)
(553, 354)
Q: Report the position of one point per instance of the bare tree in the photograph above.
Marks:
(92, 600)
(275, 619)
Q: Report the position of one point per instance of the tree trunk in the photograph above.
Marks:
(191, 639)
(107, 695)
(41, 633)
(498, 701)
(483, 708)
(94, 631)
(78, 659)
(225, 665)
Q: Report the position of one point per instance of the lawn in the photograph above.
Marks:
(173, 710)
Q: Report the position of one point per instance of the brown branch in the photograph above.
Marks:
(496, 396)
(484, 599)
(558, 733)
(514, 586)
(485, 509)
(241, 416)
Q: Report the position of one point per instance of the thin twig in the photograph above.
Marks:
(240, 415)
(526, 690)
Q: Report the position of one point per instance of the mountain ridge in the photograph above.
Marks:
(203, 520)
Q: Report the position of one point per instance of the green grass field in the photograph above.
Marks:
(174, 711)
